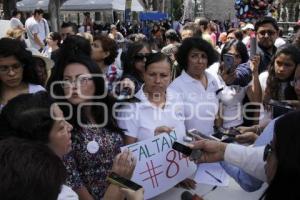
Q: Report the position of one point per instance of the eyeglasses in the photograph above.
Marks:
(269, 32)
(79, 82)
(267, 151)
(295, 82)
(4, 69)
(141, 56)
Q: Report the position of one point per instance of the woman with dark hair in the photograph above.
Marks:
(245, 180)
(36, 117)
(105, 52)
(96, 138)
(280, 73)
(134, 63)
(153, 92)
(234, 34)
(156, 34)
(17, 73)
(37, 171)
(29, 116)
(283, 158)
(158, 109)
(197, 86)
(235, 80)
(72, 46)
(53, 43)
(275, 84)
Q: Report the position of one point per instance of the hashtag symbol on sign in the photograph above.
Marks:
(151, 170)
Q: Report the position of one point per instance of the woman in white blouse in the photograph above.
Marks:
(197, 86)
(157, 110)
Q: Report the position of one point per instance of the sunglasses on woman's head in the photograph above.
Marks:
(141, 56)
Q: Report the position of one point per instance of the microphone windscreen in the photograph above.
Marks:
(186, 195)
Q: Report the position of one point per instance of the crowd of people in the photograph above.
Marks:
(70, 100)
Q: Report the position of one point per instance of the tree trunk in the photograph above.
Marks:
(8, 7)
(54, 13)
(155, 4)
(145, 3)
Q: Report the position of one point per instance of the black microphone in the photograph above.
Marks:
(186, 195)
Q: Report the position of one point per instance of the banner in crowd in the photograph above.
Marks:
(159, 167)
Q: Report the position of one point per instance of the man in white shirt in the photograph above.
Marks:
(250, 159)
(277, 163)
(43, 29)
(33, 29)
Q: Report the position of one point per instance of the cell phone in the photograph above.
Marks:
(228, 61)
(252, 46)
(116, 179)
(231, 132)
(182, 148)
(226, 135)
(187, 151)
(194, 132)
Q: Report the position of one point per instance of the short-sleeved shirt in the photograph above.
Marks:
(15, 23)
(200, 104)
(231, 98)
(139, 120)
(43, 29)
(32, 27)
(90, 169)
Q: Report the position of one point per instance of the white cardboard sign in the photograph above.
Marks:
(159, 167)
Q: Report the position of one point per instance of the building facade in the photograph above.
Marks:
(212, 9)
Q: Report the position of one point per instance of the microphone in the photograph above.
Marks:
(186, 195)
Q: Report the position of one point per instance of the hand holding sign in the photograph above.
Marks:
(162, 129)
(159, 167)
(124, 164)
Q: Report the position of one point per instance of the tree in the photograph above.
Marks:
(54, 13)
(8, 7)
(177, 9)
(145, 3)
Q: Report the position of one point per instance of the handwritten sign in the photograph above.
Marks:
(159, 167)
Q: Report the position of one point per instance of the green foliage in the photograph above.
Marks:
(177, 9)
